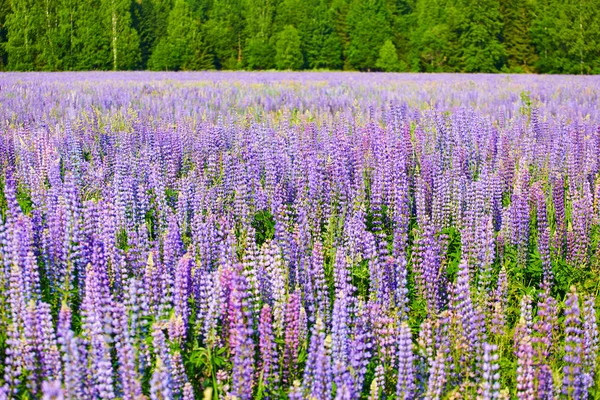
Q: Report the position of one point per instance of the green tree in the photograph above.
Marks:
(403, 20)
(91, 39)
(4, 11)
(259, 48)
(124, 40)
(388, 58)
(481, 35)
(520, 52)
(434, 42)
(543, 34)
(322, 44)
(339, 15)
(288, 52)
(368, 28)
(294, 12)
(567, 36)
(259, 54)
(224, 33)
(24, 34)
(51, 55)
(149, 19)
(65, 34)
(181, 48)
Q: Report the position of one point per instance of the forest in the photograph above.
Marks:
(508, 36)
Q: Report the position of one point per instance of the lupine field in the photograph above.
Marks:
(302, 236)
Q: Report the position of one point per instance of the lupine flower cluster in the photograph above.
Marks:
(303, 236)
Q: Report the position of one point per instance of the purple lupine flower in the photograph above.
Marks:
(339, 326)
(160, 384)
(343, 386)
(318, 377)
(250, 268)
(525, 367)
(574, 385)
(188, 392)
(31, 278)
(292, 336)
(316, 294)
(405, 388)
(176, 329)
(52, 391)
(525, 326)
(499, 303)
(378, 384)
(96, 322)
(489, 387)
(591, 340)
(558, 197)
(179, 377)
(543, 341)
(203, 293)
(268, 350)
(48, 355)
(13, 361)
(401, 286)
(173, 246)
(545, 383)
(519, 215)
(543, 237)
(485, 257)
(277, 283)
(10, 193)
(384, 332)
(182, 289)
(240, 342)
(72, 368)
(129, 377)
(425, 348)
(360, 346)
(213, 311)
(437, 377)
(427, 266)
(462, 305)
(579, 242)
(545, 326)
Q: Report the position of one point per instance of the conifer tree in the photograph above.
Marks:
(181, 48)
(149, 19)
(4, 11)
(288, 52)
(91, 39)
(66, 13)
(388, 58)
(224, 33)
(368, 28)
(259, 48)
(124, 40)
(24, 34)
(322, 43)
(50, 57)
(435, 41)
(520, 52)
(339, 15)
(566, 35)
(480, 39)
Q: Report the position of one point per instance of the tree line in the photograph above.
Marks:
(543, 36)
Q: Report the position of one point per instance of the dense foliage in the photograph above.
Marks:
(321, 236)
(544, 36)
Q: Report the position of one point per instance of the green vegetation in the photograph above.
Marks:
(543, 36)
